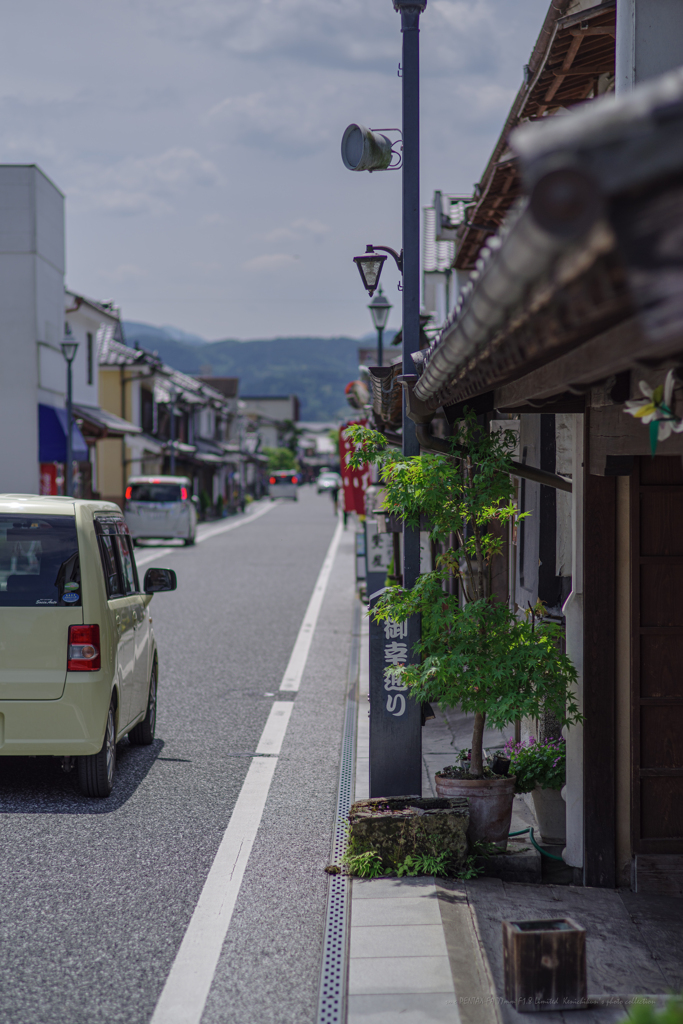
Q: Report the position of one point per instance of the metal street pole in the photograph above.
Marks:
(410, 11)
(68, 483)
(69, 349)
(380, 352)
(173, 401)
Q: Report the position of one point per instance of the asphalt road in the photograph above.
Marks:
(96, 895)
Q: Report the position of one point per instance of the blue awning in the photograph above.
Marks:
(52, 428)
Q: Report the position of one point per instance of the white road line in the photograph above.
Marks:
(295, 669)
(187, 987)
(211, 532)
(275, 728)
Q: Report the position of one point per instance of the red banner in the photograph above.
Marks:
(356, 481)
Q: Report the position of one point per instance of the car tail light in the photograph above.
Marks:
(295, 480)
(273, 480)
(84, 649)
(183, 493)
(129, 493)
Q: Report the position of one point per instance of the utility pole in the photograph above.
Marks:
(410, 11)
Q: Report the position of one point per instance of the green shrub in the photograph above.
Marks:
(280, 458)
(646, 1013)
(537, 764)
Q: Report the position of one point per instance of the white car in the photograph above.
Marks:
(329, 482)
(161, 507)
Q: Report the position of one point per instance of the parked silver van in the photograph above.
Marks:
(161, 507)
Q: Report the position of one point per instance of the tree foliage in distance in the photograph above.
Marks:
(280, 458)
(476, 654)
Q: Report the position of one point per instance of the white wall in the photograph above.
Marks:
(649, 40)
(82, 322)
(31, 317)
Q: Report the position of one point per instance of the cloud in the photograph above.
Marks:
(124, 273)
(288, 117)
(350, 34)
(270, 261)
(299, 229)
(137, 185)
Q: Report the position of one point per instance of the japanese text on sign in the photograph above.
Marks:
(395, 655)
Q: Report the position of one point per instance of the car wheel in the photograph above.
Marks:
(143, 733)
(189, 541)
(96, 771)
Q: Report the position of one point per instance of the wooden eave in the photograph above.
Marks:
(557, 318)
(579, 50)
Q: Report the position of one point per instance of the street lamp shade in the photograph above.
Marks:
(370, 268)
(69, 350)
(379, 310)
(365, 150)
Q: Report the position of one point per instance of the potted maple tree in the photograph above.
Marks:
(475, 652)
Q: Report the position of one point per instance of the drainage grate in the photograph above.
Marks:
(333, 981)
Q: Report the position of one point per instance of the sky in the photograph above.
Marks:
(197, 143)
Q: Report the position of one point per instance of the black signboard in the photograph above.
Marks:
(395, 718)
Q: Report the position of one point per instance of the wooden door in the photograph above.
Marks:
(657, 659)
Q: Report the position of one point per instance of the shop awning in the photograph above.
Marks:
(104, 422)
(52, 433)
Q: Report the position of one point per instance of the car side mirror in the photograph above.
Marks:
(157, 580)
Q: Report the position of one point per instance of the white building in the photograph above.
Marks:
(33, 378)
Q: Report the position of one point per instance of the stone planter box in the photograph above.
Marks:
(550, 810)
(397, 826)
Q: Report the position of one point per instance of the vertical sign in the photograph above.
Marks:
(379, 553)
(355, 480)
(395, 718)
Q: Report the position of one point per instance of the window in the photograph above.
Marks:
(155, 492)
(147, 410)
(90, 355)
(130, 583)
(39, 563)
(110, 566)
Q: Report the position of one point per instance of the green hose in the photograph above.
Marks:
(523, 832)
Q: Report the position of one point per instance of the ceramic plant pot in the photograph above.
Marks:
(551, 815)
(490, 806)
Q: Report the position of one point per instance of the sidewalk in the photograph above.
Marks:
(426, 951)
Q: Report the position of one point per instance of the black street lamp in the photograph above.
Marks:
(370, 265)
(69, 349)
(379, 311)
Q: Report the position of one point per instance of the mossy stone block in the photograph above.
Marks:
(398, 826)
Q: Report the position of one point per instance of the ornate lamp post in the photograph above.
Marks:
(379, 311)
(69, 349)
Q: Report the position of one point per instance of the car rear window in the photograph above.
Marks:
(155, 492)
(39, 564)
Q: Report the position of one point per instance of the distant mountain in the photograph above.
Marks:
(149, 336)
(315, 369)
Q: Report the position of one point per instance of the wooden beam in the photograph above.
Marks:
(613, 351)
(588, 69)
(566, 65)
(598, 30)
(599, 675)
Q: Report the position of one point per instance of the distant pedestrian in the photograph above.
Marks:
(334, 491)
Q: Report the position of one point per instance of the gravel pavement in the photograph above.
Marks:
(97, 895)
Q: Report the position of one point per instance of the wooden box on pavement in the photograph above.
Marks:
(544, 964)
